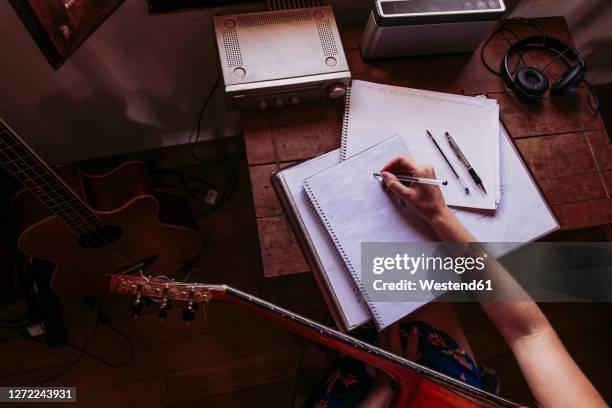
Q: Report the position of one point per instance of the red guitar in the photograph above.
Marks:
(90, 225)
(418, 386)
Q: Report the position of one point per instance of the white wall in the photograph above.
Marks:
(137, 83)
(590, 22)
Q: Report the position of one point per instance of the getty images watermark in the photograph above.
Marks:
(541, 271)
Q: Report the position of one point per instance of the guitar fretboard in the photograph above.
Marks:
(33, 173)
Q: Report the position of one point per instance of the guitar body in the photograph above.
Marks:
(146, 224)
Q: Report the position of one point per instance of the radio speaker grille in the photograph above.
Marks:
(232, 47)
(326, 34)
(274, 18)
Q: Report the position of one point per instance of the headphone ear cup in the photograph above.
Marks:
(568, 82)
(532, 81)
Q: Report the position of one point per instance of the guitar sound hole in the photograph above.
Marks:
(100, 237)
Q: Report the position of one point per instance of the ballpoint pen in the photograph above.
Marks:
(465, 162)
(467, 190)
(412, 179)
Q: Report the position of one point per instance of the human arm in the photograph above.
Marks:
(552, 375)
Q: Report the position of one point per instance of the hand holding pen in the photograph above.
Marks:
(423, 198)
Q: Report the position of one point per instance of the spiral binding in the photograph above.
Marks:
(345, 124)
(356, 280)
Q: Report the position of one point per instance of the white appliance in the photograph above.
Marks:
(398, 28)
(281, 57)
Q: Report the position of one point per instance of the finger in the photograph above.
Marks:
(401, 164)
(394, 185)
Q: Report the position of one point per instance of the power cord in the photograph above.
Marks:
(101, 319)
(230, 185)
(536, 29)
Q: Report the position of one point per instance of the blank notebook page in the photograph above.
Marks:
(355, 209)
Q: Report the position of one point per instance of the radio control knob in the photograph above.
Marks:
(279, 102)
(295, 100)
(335, 91)
(262, 104)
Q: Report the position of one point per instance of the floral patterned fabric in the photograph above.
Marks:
(438, 351)
(349, 384)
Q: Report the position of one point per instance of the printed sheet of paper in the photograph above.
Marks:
(522, 215)
(378, 112)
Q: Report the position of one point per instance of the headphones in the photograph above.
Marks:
(530, 83)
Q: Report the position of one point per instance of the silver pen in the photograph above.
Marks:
(464, 161)
(412, 179)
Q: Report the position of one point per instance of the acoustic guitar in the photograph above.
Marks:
(417, 385)
(89, 225)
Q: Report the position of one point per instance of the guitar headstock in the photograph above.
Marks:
(147, 290)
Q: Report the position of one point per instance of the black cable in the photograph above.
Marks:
(533, 26)
(199, 125)
(101, 318)
(73, 362)
(594, 99)
(15, 326)
(14, 321)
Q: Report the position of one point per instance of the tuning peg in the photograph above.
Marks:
(136, 308)
(188, 314)
(146, 301)
(162, 313)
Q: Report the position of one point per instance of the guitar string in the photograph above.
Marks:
(94, 233)
(451, 382)
(68, 212)
(72, 206)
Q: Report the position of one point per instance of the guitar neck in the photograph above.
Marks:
(403, 371)
(34, 173)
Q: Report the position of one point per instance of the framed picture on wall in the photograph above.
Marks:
(59, 27)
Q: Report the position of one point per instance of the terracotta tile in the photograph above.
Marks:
(584, 213)
(607, 178)
(556, 27)
(475, 78)
(359, 68)
(280, 252)
(590, 121)
(304, 132)
(257, 137)
(435, 73)
(264, 198)
(602, 148)
(568, 189)
(351, 37)
(544, 117)
(555, 156)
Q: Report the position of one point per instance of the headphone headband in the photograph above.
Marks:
(545, 42)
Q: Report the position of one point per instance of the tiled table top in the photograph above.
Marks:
(566, 148)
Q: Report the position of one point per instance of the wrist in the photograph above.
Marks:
(441, 218)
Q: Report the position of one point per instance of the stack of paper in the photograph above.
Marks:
(322, 195)
(376, 112)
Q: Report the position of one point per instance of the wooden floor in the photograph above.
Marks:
(231, 359)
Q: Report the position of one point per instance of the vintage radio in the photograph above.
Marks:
(282, 57)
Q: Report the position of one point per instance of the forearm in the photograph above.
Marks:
(517, 315)
(552, 374)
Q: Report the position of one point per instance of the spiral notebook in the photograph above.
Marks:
(374, 112)
(348, 188)
(337, 286)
